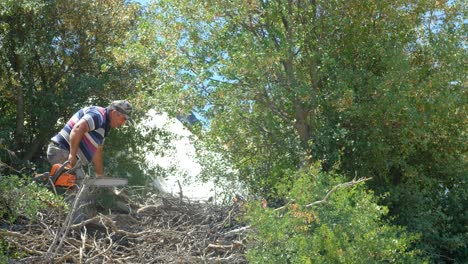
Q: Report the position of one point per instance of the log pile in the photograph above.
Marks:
(158, 228)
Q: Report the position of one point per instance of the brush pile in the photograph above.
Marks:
(157, 228)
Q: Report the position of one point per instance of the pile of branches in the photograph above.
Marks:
(157, 228)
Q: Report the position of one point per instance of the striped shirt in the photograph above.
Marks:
(99, 126)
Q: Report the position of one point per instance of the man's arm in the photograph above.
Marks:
(76, 135)
(97, 162)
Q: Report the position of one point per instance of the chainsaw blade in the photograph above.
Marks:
(108, 182)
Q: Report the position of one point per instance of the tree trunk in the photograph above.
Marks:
(15, 81)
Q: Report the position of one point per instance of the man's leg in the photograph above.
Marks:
(56, 155)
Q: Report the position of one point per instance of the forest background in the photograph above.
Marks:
(295, 96)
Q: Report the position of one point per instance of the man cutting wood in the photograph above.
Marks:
(81, 141)
(82, 137)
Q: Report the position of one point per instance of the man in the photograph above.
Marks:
(82, 139)
(83, 136)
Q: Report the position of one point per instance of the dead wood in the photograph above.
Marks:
(159, 228)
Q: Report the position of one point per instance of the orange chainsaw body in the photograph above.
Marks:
(65, 179)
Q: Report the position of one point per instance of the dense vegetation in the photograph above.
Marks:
(296, 96)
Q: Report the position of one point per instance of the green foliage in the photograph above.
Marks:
(349, 228)
(438, 212)
(51, 50)
(22, 198)
(3, 251)
(127, 150)
(410, 135)
(370, 87)
(121, 157)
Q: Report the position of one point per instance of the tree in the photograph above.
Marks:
(265, 72)
(371, 88)
(57, 56)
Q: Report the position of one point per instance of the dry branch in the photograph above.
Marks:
(325, 199)
(159, 229)
(339, 186)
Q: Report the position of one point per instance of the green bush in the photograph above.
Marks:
(22, 197)
(349, 228)
(436, 211)
(3, 249)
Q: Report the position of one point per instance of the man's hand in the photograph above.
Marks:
(72, 159)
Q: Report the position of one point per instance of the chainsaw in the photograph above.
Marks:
(61, 175)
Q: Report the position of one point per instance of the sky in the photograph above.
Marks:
(143, 2)
(183, 158)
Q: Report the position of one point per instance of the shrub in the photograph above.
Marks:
(19, 196)
(349, 228)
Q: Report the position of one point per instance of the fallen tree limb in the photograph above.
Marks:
(325, 199)
(236, 231)
(339, 186)
(5, 233)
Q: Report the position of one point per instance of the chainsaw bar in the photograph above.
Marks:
(108, 182)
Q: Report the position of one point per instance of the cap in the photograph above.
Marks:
(123, 107)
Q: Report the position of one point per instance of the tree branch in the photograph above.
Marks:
(325, 199)
(339, 186)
